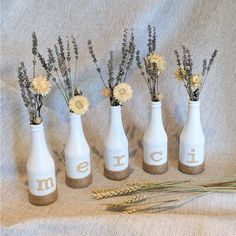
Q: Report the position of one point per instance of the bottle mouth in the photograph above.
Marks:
(194, 103)
(155, 104)
(37, 127)
(74, 116)
(115, 108)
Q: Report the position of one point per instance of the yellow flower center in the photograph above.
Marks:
(122, 91)
(79, 105)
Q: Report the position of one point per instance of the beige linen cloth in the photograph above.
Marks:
(202, 25)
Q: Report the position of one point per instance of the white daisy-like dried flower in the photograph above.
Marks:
(196, 81)
(41, 85)
(180, 73)
(78, 91)
(158, 60)
(122, 92)
(79, 104)
(159, 97)
(106, 92)
(38, 120)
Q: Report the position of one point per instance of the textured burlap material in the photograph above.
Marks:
(202, 25)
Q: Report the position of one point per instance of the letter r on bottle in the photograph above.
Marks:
(118, 160)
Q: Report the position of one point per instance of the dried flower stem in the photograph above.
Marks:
(127, 51)
(152, 73)
(32, 101)
(186, 65)
(61, 72)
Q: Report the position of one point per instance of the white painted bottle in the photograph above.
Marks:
(41, 169)
(116, 154)
(77, 155)
(155, 142)
(192, 142)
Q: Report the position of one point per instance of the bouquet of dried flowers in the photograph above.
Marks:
(184, 72)
(162, 196)
(154, 66)
(115, 88)
(59, 70)
(32, 91)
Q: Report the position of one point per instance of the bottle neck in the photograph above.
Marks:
(76, 128)
(194, 113)
(38, 141)
(115, 118)
(155, 112)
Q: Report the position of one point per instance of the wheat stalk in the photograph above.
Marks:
(150, 202)
(116, 192)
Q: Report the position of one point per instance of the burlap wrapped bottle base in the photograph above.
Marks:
(191, 170)
(117, 175)
(79, 183)
(43, 200)
(155, 169)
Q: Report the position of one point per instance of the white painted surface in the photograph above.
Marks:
(192, 139)
(40, 165)
(77, 151)
(116, 153)
(155, 138)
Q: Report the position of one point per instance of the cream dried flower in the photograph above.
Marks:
(38, 120)
(196, 81)
(122, 92)
(78, 91)
(158, 60)
(41, 85)
(79, 104)
(106, 92)
(180, 73)
(159, 97)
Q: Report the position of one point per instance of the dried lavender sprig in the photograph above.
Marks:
(150, 49)
(179, 64)
(204, 67)
(76, 53)
(63, 67)
(139, 64)
(213, 56)
(68, 59)
(34, 50)
(110, 69)
(43, 62)
(211, 60)
(154, 39)
(75, 46)
(25, 87)
(187, 65)
(177, 58)
(31, 101)
(189, 61)
(34, 44)
(49, 67)
(151, 73)
(124, 52)
(61, 91)
(90, 48)
(127, 51)
(131, 52)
